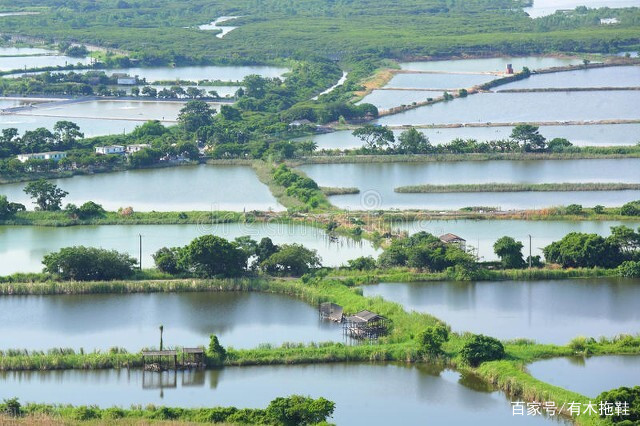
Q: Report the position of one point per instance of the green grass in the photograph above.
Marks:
(328, 191)
(517, 187)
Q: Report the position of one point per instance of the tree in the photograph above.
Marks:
(297, 410)
(530, 137)
(629, 269)
(510, 252)
(626, 238)
(85, 211)
(577, 250)
(375, 137)
(413, 142)
(481, 348)
(574, 209)
(265, 249)
(209, 256)
(362, 263)
(559, 145)
(89, 264)
(166, 260)
(66, 134)
(194, 115)
(430, 340)
(47, 196)
(9, 209)
(631, 209)
(254, 86)
(216, 353)
(291, 259)
(623, 395)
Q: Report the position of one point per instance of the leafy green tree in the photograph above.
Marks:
(85, 211)
(215, 352)
(559, 145)
(291, 259)
(195, 114)
(629, 269)
(375, 137)
(66, 134)
(89, 264)
(166, 260)
(265, 249)
(297, 410)
(530, 137)
(626, 238)
(430, 340)
(47, 196)
(480, 349)
(412, 141)
(577, 249)
(574, 209)
(623, 395)
(11, 407)
(362, 263)
(9, 209)
(510, 252)
(210, 256)
(631, 209)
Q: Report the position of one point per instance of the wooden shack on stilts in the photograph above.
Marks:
(365, 325)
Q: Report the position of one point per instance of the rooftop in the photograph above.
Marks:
(448, 238)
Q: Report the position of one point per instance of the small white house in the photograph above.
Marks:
(124, 79)
(137, 147)
(51, 155)
(110, 149)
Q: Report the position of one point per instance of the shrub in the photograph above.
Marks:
(624, 395)
(299, 410)
(430, 340)
(89, 264)
(216, 353)
(629, 269)
(631, 209)
(166, 260)
(481, 348)
(574, 209)
(362, 263)
(11, 407)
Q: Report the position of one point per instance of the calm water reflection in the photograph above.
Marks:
(101, 321)
(597, 134)
(378, 181)
(524, 107)
(589, 376)
(482, 234)
(490, 64)
(364, 394)
(553, 311)
(183, 188)
(627, 76)
(22, 248)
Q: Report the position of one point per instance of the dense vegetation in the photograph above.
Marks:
(282, 411)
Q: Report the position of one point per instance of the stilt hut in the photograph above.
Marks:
(331, 311)
(193, 357)
(365, 325)
(159, 360)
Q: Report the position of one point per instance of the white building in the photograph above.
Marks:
(110, 149)
(52, 155)
(137, 147)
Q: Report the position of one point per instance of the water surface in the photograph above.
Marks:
(412, 393)
(89, 126)
(547, 311)
(18, 63)
(131, 321)
(23, 247)
(386, 99)
(623, 76)
(490, 64)
(549, 7)
(589, 376)
(183, 188)
(377, 182)
(439, 81)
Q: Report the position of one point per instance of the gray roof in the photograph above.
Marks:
(447, 238)
(364, 316)
(159, 353)
(193, 350)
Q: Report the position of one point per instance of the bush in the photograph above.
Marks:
(291, 259)
(480, 349)
(216, 353)
(430, 341)
(89, 264)
(623, 395)
(209, 256)
(574, 209)
(631, 209)
(362, 263)
(11, 407)
(166, 260)
(299, 410)
(629, 269)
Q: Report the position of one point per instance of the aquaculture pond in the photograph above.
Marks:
(589, 375)
(22, 247)
(588, 135)
(387, 99)
(547, 311)
(27, 58)
(549, 7)
(623, 76)
(482, 234)
(89, 126)
(203, 187)
(480, 65)
(410, 393)
(524, 107)
(439, 80)
(377, 182)
(131, 321)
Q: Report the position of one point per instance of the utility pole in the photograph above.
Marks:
(140, 250)
(530, 251)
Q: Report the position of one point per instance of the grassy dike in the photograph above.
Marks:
(508, 375)
(516, 187)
